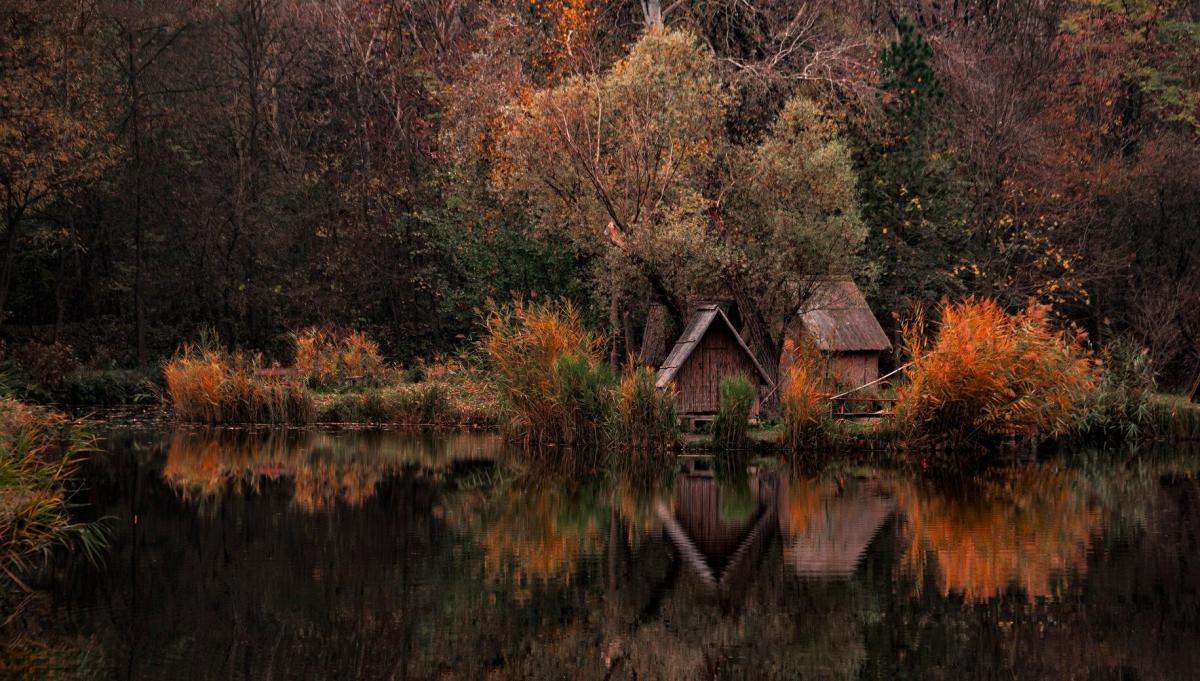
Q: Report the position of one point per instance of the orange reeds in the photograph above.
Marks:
(209, 385)
(547, 369)
(990, 374)
(802, 398)
(331, 357)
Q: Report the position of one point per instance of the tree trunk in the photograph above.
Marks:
(10, 261)
(655, 336)
(614, 351)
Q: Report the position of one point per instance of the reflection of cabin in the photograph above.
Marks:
(839, 323)
(828, 533)
(709, 350)
(722, 552)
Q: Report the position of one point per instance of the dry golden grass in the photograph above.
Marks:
(529, 345)
(36, 464)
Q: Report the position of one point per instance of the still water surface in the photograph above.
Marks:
(316, 555)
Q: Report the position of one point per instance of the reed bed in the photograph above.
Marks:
(210, 385)
(546, 366)
(330, 358)
(1172, 418)
(37, 464)
(803, 400)
(646, 422)
(988, 375)
(729, 429)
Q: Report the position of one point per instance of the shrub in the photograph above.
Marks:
(329, 358)
(543, 400)
(45, 365)
(802, 399)
(990, 374)
(733, 418)
(645, 416)
(1120, 404)
(105, 387)
(210, 385)
(34, 493)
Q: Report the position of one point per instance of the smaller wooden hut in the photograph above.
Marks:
(709, 350)
(840, 324)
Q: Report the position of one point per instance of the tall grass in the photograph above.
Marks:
(987, 374)
(803, 399)
(733, 418)
(35, 476)
(210, 385)
(426, 404)
(546, 367)
(646, 422)
(329, 358)
(1119, 407)
(1172, 418)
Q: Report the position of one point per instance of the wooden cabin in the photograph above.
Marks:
(838, 322)
(709, 350)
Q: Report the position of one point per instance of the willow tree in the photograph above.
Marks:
(638, 161)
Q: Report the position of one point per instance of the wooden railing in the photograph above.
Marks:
(841, 407)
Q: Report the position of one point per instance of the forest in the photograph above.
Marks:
(240, 169)
(621, 339)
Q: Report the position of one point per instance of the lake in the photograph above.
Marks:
(383, 555)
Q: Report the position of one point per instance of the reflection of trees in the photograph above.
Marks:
(538, 529)
(437, 575)
(1022, 527)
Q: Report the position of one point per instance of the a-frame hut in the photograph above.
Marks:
(709, 350)
(839, 323)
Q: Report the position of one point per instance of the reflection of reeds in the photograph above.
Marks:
(1018, 528)
(538, 534)
(325, 469)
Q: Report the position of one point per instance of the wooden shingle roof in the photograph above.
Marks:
(838, 319)
(703, 318)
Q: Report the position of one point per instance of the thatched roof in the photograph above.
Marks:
(838, 320)
(703, 318)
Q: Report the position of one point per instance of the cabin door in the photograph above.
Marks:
(711, 364)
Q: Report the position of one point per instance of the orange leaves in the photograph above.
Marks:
(988, 373)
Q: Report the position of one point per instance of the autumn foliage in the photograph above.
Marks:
(986, 374)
